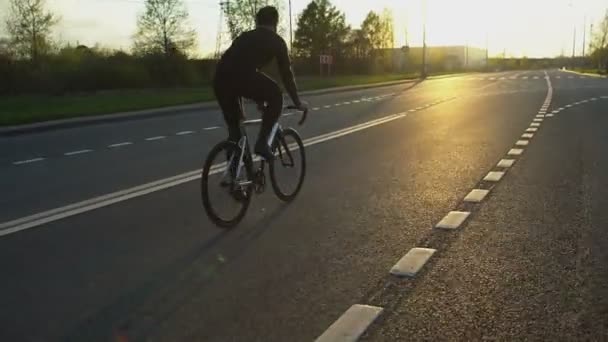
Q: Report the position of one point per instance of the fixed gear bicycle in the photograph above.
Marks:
(239, 180)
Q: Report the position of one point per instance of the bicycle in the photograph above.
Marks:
(238, 178)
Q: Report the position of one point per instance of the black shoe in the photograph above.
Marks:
(262, 149)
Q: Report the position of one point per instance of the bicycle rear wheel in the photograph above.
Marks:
(225, 194)
(288, 169)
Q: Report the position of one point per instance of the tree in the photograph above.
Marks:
(240, 14)
(321, 29)
(600, 44)
(377, 30)
(29, 25)
(163, 29)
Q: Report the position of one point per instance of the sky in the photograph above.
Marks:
(533, 28)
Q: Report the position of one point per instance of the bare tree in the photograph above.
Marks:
(163, 28)
(29, 25)
(240, 14)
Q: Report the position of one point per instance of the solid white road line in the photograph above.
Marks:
(28, 161)
(476, 195)
(453, 220)
(351, 325)
(56, 214)
(506, 163)
(120, 144)
(73, 153)
(412, 262)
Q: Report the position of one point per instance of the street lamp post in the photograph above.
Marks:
(423, 72)
(290, 29)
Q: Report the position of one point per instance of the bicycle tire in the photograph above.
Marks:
(282, 144)
(230, 148)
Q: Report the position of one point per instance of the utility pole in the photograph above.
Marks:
(584, 34)
(290, 29)
(423, 72)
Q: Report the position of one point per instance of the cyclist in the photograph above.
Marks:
(238, 75)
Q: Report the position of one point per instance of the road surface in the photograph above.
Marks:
(103, 234)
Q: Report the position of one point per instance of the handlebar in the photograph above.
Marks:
(304, 114)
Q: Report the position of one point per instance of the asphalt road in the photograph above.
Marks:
(529, 263)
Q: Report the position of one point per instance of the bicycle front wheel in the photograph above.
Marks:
(288, 169)
(226, 188)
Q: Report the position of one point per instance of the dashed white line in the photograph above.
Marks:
(73, 153)
(515, 152)
(412, 262)
(28, 161)
(522, 143)
(327, 106)
(453, 220)
(535, 124)
(527, 135)
(356, 101)
(594, 99)
(184, 133)
(210, 128)
(540, 116)
(156, 138)
(351, 325)
(316, 108)
(346, 102)
(531, 129)
(337, 104)
(412, 110)
(505, 163)
(494, 176)
(538, 120)
(476, 195)
(550, 115)
(120, 144)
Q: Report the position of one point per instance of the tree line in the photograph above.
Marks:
(30, 61)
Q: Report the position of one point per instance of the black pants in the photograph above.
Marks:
(229, 90)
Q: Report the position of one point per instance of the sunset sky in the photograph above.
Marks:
(534, 28)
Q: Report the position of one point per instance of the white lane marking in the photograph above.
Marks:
(453, 220)
(540, 116)
(216, 127)
(494, 176)
(346, 102)
(120, 144)
(28, 161)
(505, 163)
(542, 112)
(412, 110)
(156, 138)
(492, 78)
(419, 108)
(594, 99)
(351, 325)
(476, 195)
(515, 152)
(356, 101)
(522, 143)
(316, 108)
(525, 77)
(527, 135)
(338, 104)
(531, 129)
(538, 120)
(56, 214)
(536, 77)
(535, 124)
(184, 132)
(327, 106)
(550, 115)
(289, 114)
(412, 262)
(73, 153)
(502, 78)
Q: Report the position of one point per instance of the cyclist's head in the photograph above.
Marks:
(268, 17)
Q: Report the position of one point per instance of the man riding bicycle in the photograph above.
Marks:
(238, 75)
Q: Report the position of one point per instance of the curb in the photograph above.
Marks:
(164, 111)
(586, 74)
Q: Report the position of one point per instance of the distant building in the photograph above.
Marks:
(439, 58)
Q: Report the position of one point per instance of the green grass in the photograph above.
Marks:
(26, 109)
(589, 71)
